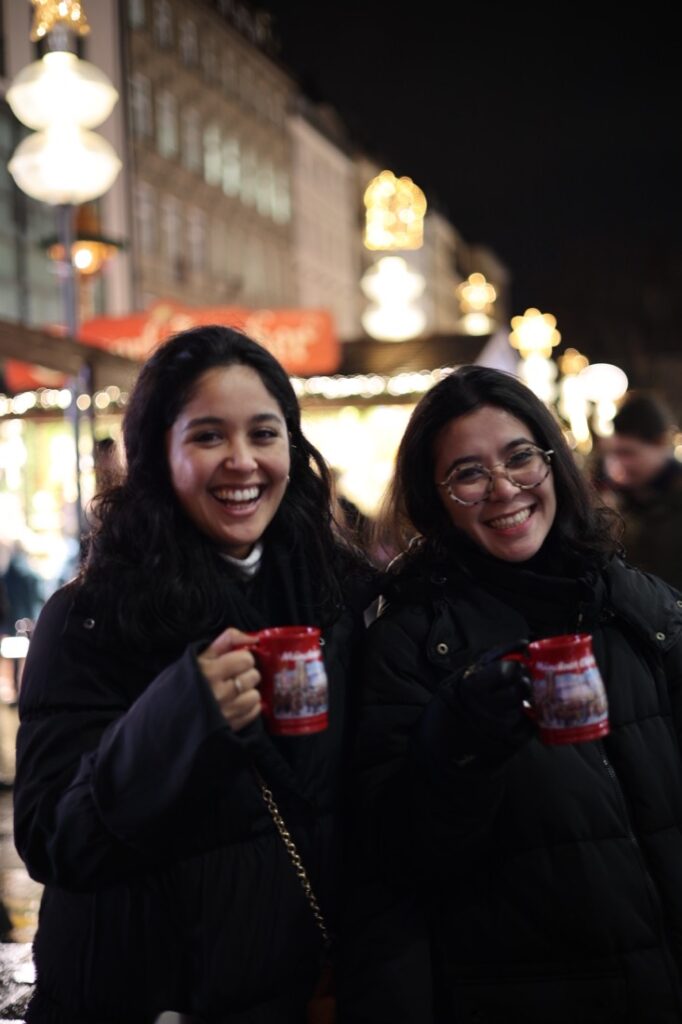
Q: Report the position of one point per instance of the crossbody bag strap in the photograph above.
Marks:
(294, 856)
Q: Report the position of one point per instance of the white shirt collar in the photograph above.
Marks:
(247, 566)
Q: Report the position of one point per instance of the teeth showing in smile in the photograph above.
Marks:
(505, 522)
(238, 495)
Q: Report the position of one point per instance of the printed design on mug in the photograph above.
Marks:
(569, 693)
(300, 687)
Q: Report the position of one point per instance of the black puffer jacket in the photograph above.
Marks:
(541, 887)
(167, 886)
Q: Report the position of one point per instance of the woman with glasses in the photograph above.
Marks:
(498, 879)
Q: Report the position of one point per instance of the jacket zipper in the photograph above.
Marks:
(650, 884)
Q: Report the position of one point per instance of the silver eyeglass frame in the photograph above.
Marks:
(546, 453)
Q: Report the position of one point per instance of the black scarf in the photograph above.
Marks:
(555, 592)
(283, 592)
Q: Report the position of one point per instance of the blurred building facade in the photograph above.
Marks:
(237, 190)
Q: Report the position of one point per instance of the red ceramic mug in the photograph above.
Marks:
(293, 684)
(568, 696)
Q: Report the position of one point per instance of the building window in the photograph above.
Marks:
(247, 188)
(189, 44)
(196, 241)
(229, 73)
(254, 268)
(163, 23)
(141, 105)
(191, 140)
(218, 244)
(265, 189)
(281, 212)
(209, 59)
(171, 235)
(166, 125)
(137, 14)
(232, 167)
(212, 156)
(145, 218)
(247, 84)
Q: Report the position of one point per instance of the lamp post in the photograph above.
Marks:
(64, 163)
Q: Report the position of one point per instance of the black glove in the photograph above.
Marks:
(478, 719)
(492, 699)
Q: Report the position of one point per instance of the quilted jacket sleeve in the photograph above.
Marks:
(111, 780)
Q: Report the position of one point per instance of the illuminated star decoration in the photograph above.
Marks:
(50, 13)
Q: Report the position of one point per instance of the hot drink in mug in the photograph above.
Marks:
(568, 698)
(293, 679)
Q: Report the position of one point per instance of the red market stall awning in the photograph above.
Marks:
(303, 340)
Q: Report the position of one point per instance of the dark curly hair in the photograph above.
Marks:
(412, 507)
(142, 533)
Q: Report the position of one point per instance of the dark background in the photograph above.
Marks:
(552, 137)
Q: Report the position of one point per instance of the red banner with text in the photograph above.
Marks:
(303, 340)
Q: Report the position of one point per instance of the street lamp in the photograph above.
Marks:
(64, 163)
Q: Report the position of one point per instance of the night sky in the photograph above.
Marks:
(556, 140)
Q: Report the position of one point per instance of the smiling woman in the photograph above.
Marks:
(508, 513)
(228, 453)
(552, 881)
(142, 739)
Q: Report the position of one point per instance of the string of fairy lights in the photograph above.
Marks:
(332, 388)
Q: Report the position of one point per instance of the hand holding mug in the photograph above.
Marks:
(568, 699)
(293, 679)
(493, 694)
(229, 668)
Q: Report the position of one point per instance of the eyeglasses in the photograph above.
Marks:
(470, 483)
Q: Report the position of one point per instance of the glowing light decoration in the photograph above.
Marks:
(61, 87)
(572, 361)
(50, 14)
(540, 374)
(534, 333)
(476, 298)
(393, 289)
(62, 97)
(395, 210)
(90, 249)
(603, 384)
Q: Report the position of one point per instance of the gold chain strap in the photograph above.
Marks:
(294, 855)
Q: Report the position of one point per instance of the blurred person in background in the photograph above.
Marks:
(21, 598)
(22, 589)
(646, 479)
(108, 470)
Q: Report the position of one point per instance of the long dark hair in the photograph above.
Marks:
(146, 558)
(413, 509)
